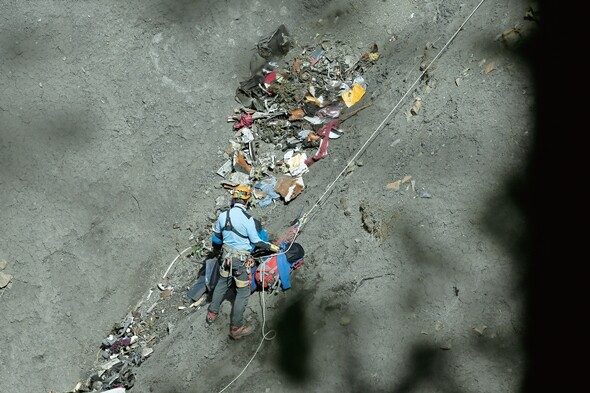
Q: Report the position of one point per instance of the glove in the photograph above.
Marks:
(274, 248)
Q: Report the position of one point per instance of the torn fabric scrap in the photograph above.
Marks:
(246, 120)
(267, 186)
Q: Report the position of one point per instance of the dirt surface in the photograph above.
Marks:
(113, 123)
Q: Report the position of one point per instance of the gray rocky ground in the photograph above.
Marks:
(113, 123)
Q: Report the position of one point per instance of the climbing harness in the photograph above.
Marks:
(227, 226)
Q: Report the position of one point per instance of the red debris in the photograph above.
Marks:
(246, 120)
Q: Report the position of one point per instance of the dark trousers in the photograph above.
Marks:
(239, 280)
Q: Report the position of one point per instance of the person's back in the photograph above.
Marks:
(237, 228)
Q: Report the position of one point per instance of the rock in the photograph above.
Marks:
(480, 330)
(5, 279)
(416, 107)
(3, 264)
(220, 201)
(446, 346)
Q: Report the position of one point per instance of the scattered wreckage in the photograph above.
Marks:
(287, 108)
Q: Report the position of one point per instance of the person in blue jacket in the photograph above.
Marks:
(209, 274)
(235, 237)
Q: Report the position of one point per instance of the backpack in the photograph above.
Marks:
(267, 275)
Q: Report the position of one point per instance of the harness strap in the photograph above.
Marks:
(229, 227)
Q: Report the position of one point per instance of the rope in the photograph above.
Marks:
(178, 256)
(304, 218)
(265, 336)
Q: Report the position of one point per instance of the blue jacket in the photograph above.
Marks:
(240, 230)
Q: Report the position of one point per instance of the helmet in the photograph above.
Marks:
(241, 192)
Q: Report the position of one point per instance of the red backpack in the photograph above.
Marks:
(267, 273)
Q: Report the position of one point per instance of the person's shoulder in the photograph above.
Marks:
(248, 215)
(222, 213)
(243, 209)
(258, 225)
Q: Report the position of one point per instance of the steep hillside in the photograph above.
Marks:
(115, 124)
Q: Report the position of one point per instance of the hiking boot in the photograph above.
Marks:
(237, 332)
(211, 317)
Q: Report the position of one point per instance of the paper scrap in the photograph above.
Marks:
(393, 185)
(353, 95)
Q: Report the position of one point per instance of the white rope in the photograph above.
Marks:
(178, 256)
(265, 336)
